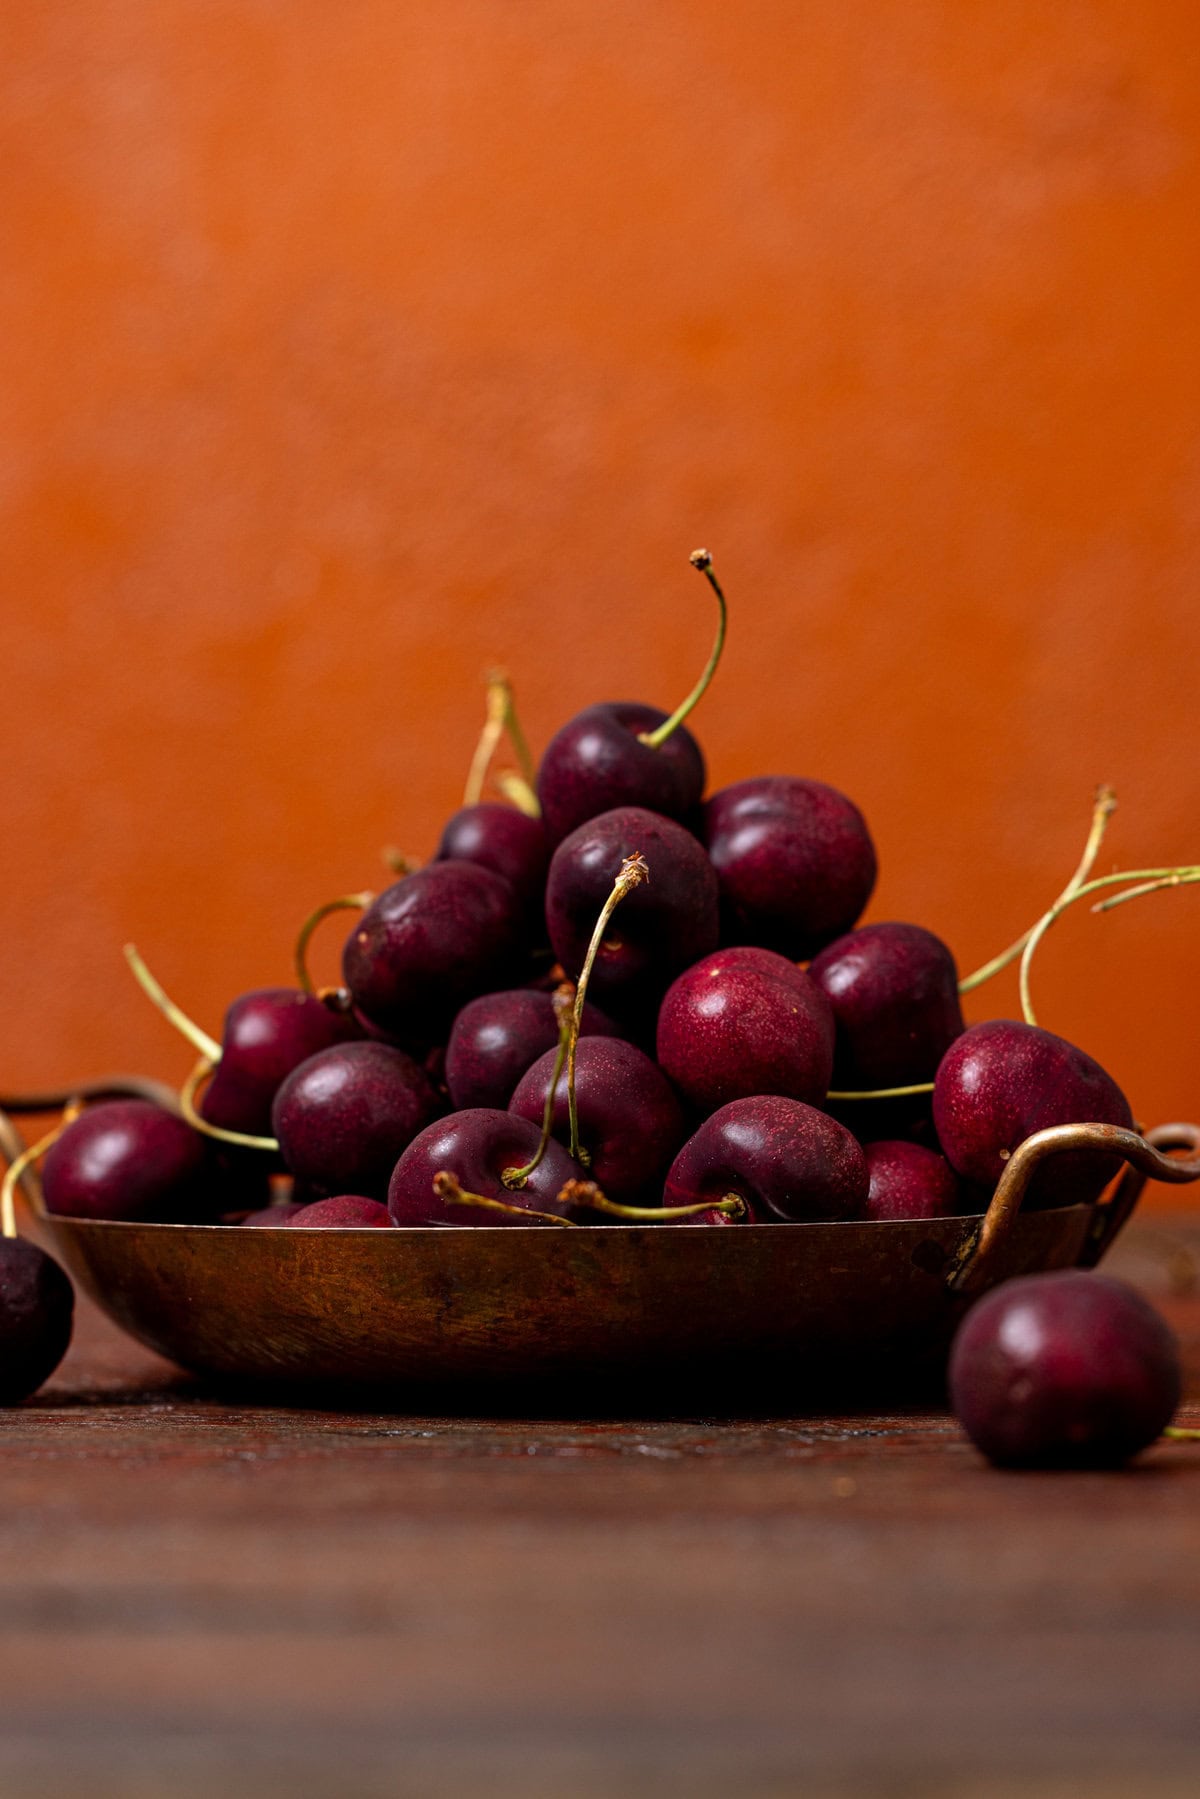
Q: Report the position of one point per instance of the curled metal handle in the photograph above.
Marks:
(1143, 1154)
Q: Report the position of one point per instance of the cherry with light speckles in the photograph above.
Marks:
(894, 992)
(630, 1121)
(429, 943)
(794, 859)
(342, 1211)
(786, 1159)
(909, 1181)
(1002, 1081)
(746, 1021)
(343, 1117)
(498, 1036)
(663, 925)
(478, 1146)
(1064, 1370)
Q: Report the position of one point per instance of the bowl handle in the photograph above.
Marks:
(969, 1270)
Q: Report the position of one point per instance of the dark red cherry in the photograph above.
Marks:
(505, 840)
(428, 944)
(746, 1021)
(908, 1181)
(630, 1122)
(784, 1158)
(268, 1032)
(1064, 1370)
(496, 1037)
(794, 859)
(343, 1117)
(132, 1160)
(661, 926)
(597, 762)
(894, 993)
(1003, 1080)
(477, 1146)
(37, 1303)
(274, 1217)
(342, 1211)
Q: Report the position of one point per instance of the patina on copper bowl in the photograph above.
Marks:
(534, 1310)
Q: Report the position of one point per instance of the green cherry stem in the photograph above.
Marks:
(561, 999)
(200, 1040)
(1178, 1434)
(634, 870)
(496, 704)
(347, 902)
(884, 1092)
(1103, 808)
(16, 1171)
(446, 1187)
(593, 1199)
(1150, 879)
(703, 561)
(519, 792)
(187, 1105)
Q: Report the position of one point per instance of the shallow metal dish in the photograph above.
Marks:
(534, 1312)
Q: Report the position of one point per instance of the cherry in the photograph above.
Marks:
(794, 859)
(894, 993)
(626, 754)
(908, 1181)
(496, 1037)
(428, 944)
(746, 1021)
(343, 1117)
(1000, 1082)
(664, 925)
(37, 1302)
(129, 1159)
(1064, 1370)
(338, 1213)
(784, 1158)
(478, 1147)
(630, 1122)
(504, 840)
(268, 1033)
(271, 1217)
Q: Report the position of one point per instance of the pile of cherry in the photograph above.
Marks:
(607, 998)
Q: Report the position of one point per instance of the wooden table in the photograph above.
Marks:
(199, 1598)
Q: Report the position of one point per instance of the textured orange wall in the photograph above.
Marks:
(350, 348)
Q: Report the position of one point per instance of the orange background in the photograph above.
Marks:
(348, 349)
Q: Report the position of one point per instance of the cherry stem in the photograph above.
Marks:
(592, 1198)
(519, 792)
(884, 1092)
(1151, 879)
(446, 1187)
(634, 870)
(348, 902)
(396, 862)
(500, 717)
(1178, 1434)
(1104, 807)
(19, 1167)
(187, 1027)
(187, 1105)
(561, 1000)
(703, 561)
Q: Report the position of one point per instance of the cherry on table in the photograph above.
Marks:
(1064, 1370)
(794, 860)
(745, 1021)
(343, 1117)
(498, 1036)
(428, 944)
(894, 992)
(478, 1146)
(630, 1121)
(999, 1083)
(786, 1159)
(37, 1303)
(909, 1181)
(663, 925)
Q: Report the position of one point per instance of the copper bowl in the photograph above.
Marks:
(533, 1310)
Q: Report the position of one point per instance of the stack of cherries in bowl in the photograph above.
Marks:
(609, 998)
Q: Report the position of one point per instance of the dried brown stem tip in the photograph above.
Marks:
(700, 559)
